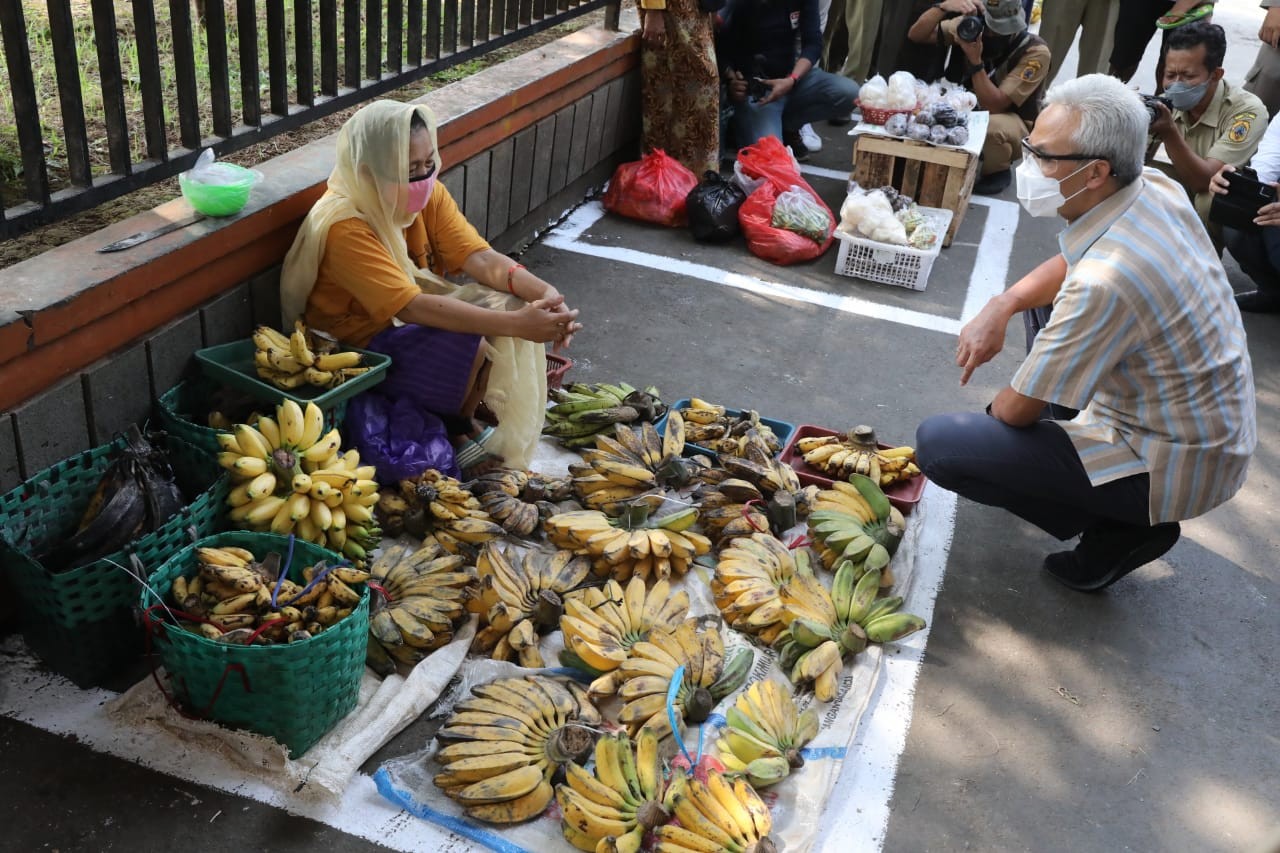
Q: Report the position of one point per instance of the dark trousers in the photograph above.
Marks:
(1257, 251)
(1034, 472)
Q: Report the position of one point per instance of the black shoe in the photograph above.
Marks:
(798, 148)
(1108, 552)
(996, 182)
(841, 121)
(1259, 301)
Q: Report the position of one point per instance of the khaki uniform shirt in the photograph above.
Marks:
(1021, 81)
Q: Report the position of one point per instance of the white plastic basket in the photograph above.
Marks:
(886, 263)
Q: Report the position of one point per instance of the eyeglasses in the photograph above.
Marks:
(1030, 150)
(431, 171)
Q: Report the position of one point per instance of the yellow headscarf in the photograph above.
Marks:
(368, 183)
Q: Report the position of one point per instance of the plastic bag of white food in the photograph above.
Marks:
(902, 91)
(871, 215)
(874, 93)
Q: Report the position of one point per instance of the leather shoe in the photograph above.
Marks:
(1259, 301)
(994, 183)
(1108, 552)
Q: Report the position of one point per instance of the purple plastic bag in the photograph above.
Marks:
(399, 438)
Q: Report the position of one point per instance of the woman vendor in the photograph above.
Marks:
(367, 267)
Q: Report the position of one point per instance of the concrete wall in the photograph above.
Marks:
(88, 340)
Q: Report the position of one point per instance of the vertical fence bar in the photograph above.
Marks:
(277, 64)
(612, 15)
(526, 12)
(215, 32)
(373, 40)
(497, 17)
(104, 36)
(540, 8)
(17, 55)
(413, 29)
(482, 20)
(467, 36)
(513, 15)
(184, 66)
(144, 31)
(351, 43)
(433, 29)
(450, 45)
(395, 36)
(250, 74)
(66, 62)
(304, 53)
(329, 47)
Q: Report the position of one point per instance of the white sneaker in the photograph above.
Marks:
(810, 138)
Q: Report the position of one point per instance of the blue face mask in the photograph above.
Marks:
(1185, 97)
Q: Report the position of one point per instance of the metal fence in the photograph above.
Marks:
(168, 90)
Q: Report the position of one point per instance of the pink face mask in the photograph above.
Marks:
(419, 192)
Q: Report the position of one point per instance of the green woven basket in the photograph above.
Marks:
(181, 412)
(293, 692)
(80, 622)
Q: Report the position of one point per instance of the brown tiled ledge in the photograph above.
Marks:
(70, 306)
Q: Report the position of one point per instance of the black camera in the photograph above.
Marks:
(1150, 101)
(757, 89)
(971, 28)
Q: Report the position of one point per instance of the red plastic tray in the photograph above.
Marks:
(904, 495)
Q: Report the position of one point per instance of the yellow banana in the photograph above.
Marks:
(312, 426)
(290, 417)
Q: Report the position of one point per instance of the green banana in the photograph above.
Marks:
(883, 607)
(893, 626)
(875, 497)
(864, 593)
(734, 673)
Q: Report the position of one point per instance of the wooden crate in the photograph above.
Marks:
(933, 176)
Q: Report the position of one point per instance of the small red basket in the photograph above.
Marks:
(557, 367)
(904, 495)
(876, 115)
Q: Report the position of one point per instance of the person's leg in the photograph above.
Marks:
(835, 39)
(818, 95)
(895, 19)
(1059, 22)
(1263, 78)
(1001, 148)
(755, 121)
(1097, 32)
(1034, 472)
(1258, 254)
(862, 21)
(1135, 25)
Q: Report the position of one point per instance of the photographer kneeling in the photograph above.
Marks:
(1212, 123)
(1005, 68)
(1255, 244)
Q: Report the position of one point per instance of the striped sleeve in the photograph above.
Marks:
(1090, 331)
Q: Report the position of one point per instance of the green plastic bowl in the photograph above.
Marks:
(220, 199)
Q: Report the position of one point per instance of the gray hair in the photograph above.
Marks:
(1113, 121)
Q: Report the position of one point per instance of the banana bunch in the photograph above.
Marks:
(653, 548)
(711, 426)
(855, 521)
(715, 816)
(502, 746)
(438, 505)
(764, 733)
(516, 605)
(241, 600)
(748, 576)
(424, 594)
(518, 500)
(611, 807)
(644, 678)
(293, 478)
(758, 493)
(303, 358)
(601, 627)
(825, 627)
(859, 453)
(581, 412)
(631, 464)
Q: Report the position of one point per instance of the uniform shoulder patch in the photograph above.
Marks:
(1239, 126)
(1030, 69)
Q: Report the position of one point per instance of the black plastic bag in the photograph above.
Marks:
(713, 209)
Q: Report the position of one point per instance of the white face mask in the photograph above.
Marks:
(1041, 195)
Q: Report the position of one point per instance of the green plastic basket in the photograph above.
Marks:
(179, 411)
(233, 365)
(293, 692)
(81, 622)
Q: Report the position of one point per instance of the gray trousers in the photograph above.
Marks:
(1034, 472)
(1263, 78)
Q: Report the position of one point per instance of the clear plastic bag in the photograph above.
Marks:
(796, 210)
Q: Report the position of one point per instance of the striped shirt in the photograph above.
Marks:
(1145, 338)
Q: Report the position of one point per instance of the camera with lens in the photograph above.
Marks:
(757, 89)
(971, 28)
(1150, 101)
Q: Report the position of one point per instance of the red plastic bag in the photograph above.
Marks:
(776, 245)
(653, 189)
(768, 159)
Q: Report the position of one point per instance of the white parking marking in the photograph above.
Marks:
(986, 280)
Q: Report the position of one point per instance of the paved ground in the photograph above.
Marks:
(1142, 719)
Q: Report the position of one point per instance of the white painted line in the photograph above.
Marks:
(986, 280)
(819, 171)
(857, 816)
